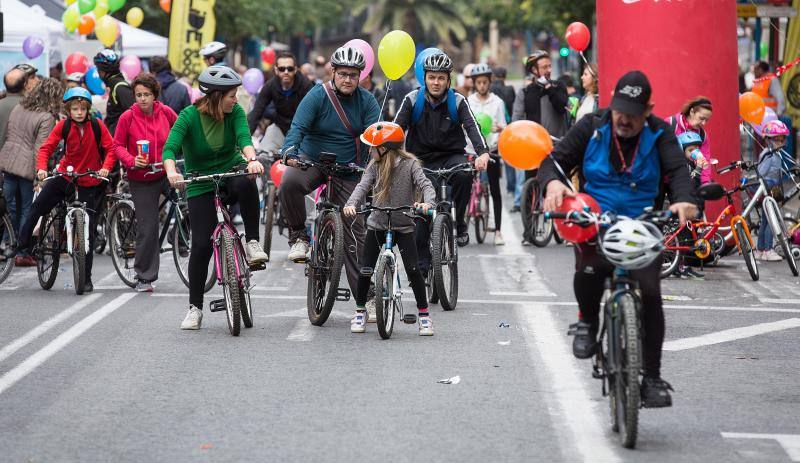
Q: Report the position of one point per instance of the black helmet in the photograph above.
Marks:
(348, 57)
(218, 78)
(438, 62)
(107, 61)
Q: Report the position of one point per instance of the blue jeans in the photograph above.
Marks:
(765, 236)
(511, 178)
(14, 187)
(518, 187)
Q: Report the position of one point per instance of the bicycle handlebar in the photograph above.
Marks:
(586, 218)
(70, 174)
(463, 167)
(191, 178)
(744, 165)
(335, 168)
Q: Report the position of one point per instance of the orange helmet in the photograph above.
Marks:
(386, 134)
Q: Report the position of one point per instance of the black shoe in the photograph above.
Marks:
(515, 209)
(584, 344)
(88, 287)
(462, 239)
(655, 393)
(693, 274)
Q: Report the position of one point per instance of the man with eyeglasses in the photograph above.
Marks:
(18, 81)
(329, 119)
(284, 92)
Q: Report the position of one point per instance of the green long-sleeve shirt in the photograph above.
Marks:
(209, 147)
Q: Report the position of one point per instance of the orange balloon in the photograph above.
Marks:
(524, 144)
(86, 26)
(751, 107)
(165, 5)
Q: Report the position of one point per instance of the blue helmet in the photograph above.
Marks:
(689, 138)
(77, 93)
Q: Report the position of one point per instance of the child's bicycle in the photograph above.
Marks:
(230, 264)
(8, 240)
(388, 291)
(479, 206)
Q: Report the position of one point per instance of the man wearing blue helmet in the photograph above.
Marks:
(120, 97)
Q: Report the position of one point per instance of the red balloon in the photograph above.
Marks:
(570, 231)
(578, 36)
(268, 55)
(76, 62)
(276, 173)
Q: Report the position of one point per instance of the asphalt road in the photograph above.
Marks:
(111, 377)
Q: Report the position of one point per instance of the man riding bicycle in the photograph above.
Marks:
(329, 119)
(435, 118)
(621, 154)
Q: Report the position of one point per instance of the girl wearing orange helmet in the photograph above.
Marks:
(395, 179)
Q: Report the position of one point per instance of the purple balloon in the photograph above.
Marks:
(769, 115)
(33, 46)
(252, 80)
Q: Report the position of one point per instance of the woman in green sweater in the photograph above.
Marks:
(214, 138)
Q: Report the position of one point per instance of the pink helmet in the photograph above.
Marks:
(775, 129)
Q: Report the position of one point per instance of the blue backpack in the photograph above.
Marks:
(419, 106)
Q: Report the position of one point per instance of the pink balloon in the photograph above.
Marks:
(369, 55)
(131, 66)
(196, 94)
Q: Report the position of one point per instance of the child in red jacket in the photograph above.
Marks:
(82, 153)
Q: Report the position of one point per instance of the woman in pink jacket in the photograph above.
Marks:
(693, 117)
(148, 121)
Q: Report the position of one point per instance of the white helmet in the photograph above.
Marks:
(348, 57)
(632, 244)
(216, 50)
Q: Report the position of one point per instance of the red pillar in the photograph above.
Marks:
(686, 48)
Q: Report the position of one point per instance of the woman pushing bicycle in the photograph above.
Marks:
(214, 138)
(394, 177)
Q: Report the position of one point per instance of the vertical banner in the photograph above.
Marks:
(191, 25)
(791, 79)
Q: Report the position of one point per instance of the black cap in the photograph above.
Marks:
(632, 94)
(500, 72)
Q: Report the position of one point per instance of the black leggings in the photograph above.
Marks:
(373, 246)
(493, 171)
(591, 270)
(203, 220)
(54, 191)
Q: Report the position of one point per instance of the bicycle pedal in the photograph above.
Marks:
(217, 305)
(258, 266)
(409, 319)
(597, 374)
(342, 294)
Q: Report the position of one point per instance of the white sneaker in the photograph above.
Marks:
(770, 256)
(358, 324)
(371, 316)
(255, 255)
(299, 251)
(193, 319)
(757, 254)
(498, 239)
(425, 326)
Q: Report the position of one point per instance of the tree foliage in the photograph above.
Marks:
(434, 20)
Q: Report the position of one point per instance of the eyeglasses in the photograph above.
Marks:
(285, 68)
(144, 95)
(348, 75)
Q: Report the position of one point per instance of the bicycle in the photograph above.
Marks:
(231, 268)
(388, 290)
(66, 228)
(442, 278)
(620, 365)
(324, 264)
(270, 210)
(479, 207)
(175, 229)
(8, 240)
(536, 228)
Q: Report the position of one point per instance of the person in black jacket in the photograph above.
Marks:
(120, 97)
(621, 154)
(284, 91)
(427, 116)
(173, 94)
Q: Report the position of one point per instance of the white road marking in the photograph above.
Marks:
(43, 328)
(789, 442)
(665, 297)
(781, 301)
(219, 296)
(521, 294)
(271, 288)
(546, 343)
(39, 357)
(8, 288)
(302, 331)
(731, 334)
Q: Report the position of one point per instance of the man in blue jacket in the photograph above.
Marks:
(317, 127)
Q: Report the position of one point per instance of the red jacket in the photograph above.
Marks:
(82, 152)
(135, 125)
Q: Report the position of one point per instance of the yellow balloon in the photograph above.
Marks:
(107, 30)
(100, 8)
(135, 16)
(70, 2)
(71, 18)
(396, 54)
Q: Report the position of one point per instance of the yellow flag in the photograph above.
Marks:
(192, 24)
(791, 79)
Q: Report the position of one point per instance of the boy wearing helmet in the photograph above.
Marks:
(213, 53)
(770, 166)
(120, 97)
(81, 153)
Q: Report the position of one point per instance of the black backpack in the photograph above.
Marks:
(65, 131)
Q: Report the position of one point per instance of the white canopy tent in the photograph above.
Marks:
(141, 43)
(21, 21)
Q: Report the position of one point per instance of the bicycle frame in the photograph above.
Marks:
(475, 197)
(224, 222)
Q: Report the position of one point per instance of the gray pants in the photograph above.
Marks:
(146, 198)
(297, 183)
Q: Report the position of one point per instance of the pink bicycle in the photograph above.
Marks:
(478, 209)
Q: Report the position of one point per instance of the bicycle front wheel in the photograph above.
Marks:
(8, 244)
(779, 230)
(671, 256)
(746, 248)
(384, 296)
(48, 249)
(325, 268)
(230, 284)
(79, 250)
(625, 354)
(538, 229)
(123, 241)
(444, 262)
(269, 217)
(482, 216)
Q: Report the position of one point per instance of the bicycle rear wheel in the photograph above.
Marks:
(8, 244)
(537, 229)
(230, 285)
(181, 250)
(444, 262)
(746, 248)
(244, 289)
(625, 349)
(269, 217)
(48, 249)
(122, 241)
(79, 250)
(670, 257)
(384, 296)
(779, 230)
(325, 268)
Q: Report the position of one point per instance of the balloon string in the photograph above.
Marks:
(587, 64)
(386, 96)
(780, 70)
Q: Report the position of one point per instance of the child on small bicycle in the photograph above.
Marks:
(770, 166)
(84, 150)
(395, 178)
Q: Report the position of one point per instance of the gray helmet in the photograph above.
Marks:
(481, 69)
(534, 58)
(438, 62)
(348, 57)
(221, 78)
(216, 50)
